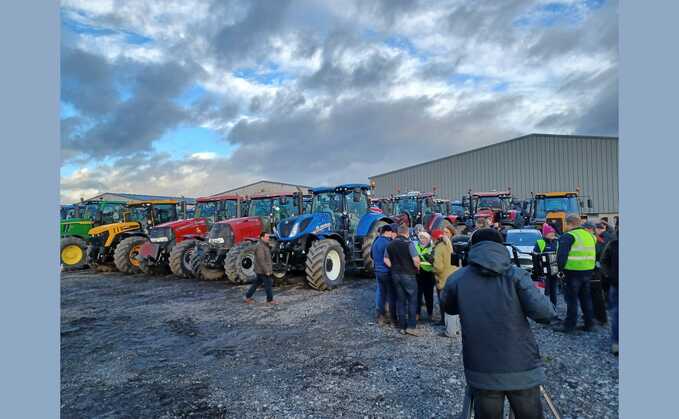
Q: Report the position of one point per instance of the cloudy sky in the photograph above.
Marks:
(183, 97)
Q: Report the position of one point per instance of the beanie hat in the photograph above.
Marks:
(486, 234)
(436, 234)
(546, 229)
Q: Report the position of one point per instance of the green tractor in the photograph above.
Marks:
(76, 222)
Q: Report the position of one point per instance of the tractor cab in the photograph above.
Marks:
(271, 209)
(386, 205)
(554, 207)
(344, 205)
(497, 206)
(415, 208)
(306, 201)
(442, 206)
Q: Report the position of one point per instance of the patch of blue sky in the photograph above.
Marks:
(556, 13)
(466, 78)
(190, 96)
(478, 81)
(500, 87)
(69, 169)
(66, 110)
(184, 141)
(85, 29)
(268, 73)
(404, 44)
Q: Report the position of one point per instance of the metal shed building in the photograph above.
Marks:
(267, 187)
(531, 163)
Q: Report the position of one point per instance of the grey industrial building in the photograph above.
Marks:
(531, 163)
(266, 187)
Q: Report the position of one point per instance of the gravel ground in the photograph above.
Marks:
(136, 346)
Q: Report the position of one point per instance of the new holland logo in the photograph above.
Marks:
(322, 227)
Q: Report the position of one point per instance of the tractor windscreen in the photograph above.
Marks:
(545, 205)
(164, 213)
(90, 212)
(260, 208)
(357, 203)
(490, 202)
(329, 202)
(405, 204)
(206, 209)
(457, 210)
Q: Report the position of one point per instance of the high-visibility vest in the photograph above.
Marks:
(582, 256)
(541, 245)
(424, 252)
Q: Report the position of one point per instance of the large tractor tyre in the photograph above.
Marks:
(239, 265)
(73, 253)
(180, 258)
(368, 265)
(201, 271)
(325, 265)
(125, 255)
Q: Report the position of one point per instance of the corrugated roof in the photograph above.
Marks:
(263, 181)
(493, 145)
(143, 197)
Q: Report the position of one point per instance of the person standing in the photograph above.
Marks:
(599, 290)
(385, 293)
(425, 276)
(442, 267)
(494, 300)
(548, 243)
(264, 269)
(576, 258)
(401, 257)
(610, 267)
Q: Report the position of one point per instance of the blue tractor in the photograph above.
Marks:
(337, 234)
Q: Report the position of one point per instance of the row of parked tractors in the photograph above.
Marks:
(321, 234)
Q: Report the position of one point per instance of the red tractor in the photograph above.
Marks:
(229, 250)
(496, 206)
(415, 208)
(171, 244)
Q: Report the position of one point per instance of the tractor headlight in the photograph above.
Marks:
(295, 230)
(216, 240)
(163, 239)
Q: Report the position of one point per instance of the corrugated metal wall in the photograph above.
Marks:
(266, 188)
(534, 163)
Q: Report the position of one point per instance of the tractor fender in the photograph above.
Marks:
(334, 236)
(368, 220)
(452, 218)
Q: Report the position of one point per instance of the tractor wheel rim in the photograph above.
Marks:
(332, 265)
(133, 255)
(247, 264)
(71, 254)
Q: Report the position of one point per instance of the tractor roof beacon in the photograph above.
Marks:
(337, 234)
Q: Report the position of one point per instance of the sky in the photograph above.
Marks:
(184, 97)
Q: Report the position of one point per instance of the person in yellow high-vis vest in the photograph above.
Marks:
(576, 258)
(425, 276)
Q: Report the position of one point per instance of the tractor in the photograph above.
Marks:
(120, 242)
(386, 205)
(229, 250)
(170, 245)
(554, 207)
(496, 206)
(415, 208)
(337, 234)
(76, 222)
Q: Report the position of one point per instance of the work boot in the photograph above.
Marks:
(565, 330)
(272, 302)
(414, 332)
(248, 300)
(379, 319)
(586, 328)
(615, 349)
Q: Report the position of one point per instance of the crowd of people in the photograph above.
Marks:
(494, 298)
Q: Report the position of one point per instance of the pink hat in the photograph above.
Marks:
(546, 229)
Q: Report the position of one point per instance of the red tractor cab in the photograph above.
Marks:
(229, 250)
(171, 244)
(415, 208)
(496, 206)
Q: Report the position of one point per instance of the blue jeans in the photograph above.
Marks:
(406, 295)
(578, 289)
(613, 305)
(265, 280)
(385, 294)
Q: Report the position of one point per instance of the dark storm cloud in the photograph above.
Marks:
(88, 82)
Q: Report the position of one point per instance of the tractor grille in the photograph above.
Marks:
(222, 231)
(160, 232)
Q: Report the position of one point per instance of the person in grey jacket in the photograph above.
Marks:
(263, 269)
(494, 299)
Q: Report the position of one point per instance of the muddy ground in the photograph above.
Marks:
(136, 346)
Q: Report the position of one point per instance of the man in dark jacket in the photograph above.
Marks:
(576, 258)
(263, 269)
(609, 265)
(494, 299)
(385, 287)
(402, 259)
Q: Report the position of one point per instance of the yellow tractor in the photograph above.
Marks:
(118, 244)
(553, 208)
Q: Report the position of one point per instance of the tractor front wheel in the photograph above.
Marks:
(325, 264)
(180, 258)
(201, 271)
(73, 253)
(125, 255)
(239, 264)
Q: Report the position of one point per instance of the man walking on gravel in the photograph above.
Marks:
(402, 259)
(501, 358)
(263, 269)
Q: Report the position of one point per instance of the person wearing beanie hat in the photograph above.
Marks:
(548, 243)
(494, 299)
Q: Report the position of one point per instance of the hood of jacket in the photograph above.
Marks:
(492, 258)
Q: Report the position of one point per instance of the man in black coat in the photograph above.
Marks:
(494, 299)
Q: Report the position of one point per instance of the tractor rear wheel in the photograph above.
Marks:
(239, 264)
(366, 249)
(180, 258)
(325, 264)
(73, 253)
(125, 255)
